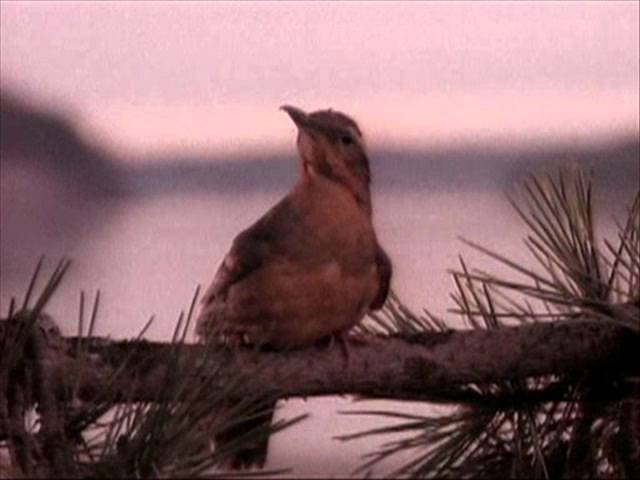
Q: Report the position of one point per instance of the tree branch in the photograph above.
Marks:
(422, 366)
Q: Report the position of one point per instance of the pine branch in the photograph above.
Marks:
(399, 366)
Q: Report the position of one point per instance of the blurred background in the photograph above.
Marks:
(139, 138)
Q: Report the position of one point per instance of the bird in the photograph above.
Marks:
(311, 267)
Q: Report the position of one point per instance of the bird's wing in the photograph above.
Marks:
(384, 269)
(247, 254)
(251, 249)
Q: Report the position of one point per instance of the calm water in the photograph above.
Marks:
(148, 253)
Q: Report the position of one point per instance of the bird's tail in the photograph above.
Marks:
(248, 440)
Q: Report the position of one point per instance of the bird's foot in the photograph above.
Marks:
(341, 338)
(345, 340)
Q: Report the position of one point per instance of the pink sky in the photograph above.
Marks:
(148, 76)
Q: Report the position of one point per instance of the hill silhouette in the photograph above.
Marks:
(614, 163)
(51, 141)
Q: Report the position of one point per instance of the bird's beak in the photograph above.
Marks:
(299, 117)
(305, 123)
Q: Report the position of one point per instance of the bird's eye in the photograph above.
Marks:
(346, 139)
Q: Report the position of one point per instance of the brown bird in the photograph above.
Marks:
(312, 266)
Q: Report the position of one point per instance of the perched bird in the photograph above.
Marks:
(312, 266)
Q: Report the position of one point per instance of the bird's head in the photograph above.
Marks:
(330, 144)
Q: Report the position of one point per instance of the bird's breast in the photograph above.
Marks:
(287, 304)
(331, 223)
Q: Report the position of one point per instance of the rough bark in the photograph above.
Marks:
(421, 366)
